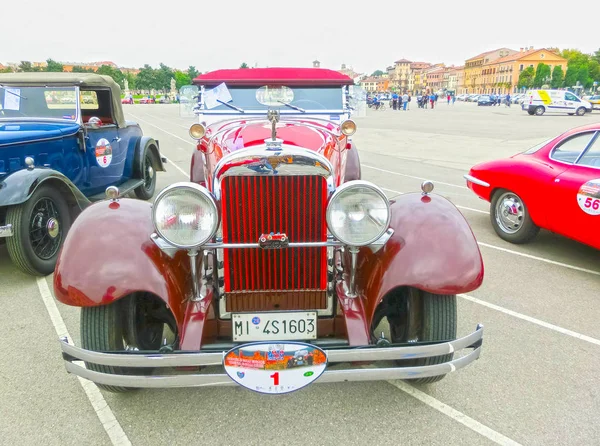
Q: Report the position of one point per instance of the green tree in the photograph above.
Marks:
(583, 76)
(542, 73)
(244, 65)
(131, 80)
(78, 69)
(27, 66)
(6, 70)
(572, 75)
(54, 66)
(164, 74)
(192, 72)
(594, 67)
(182, 79)
(558, 76)
(113, 72)
(146, 78)
(575, 56)
(377, 73)
(526, 78)
(596, 56)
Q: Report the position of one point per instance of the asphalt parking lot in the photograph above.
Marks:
(537, 382)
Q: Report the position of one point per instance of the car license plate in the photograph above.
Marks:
(281, 326)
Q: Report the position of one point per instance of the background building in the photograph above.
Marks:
(475, 65)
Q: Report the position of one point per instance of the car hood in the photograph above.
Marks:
(313, 135)
(18, 132)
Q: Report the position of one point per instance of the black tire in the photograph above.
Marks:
(523, 230)
(580, 111)
(439, 324)
(539, 110)
(109, 328)
(33, 248)
(530, 113)
(147, 172)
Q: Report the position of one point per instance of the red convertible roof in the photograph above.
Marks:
(277, 76)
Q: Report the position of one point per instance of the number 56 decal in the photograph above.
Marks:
(588, 197)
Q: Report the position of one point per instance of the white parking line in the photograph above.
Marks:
(533, 320)
(171, 163)
(411, 176)
(107, 418)
(457, 416)
(541, 259)
(510, 251)
(162, 130)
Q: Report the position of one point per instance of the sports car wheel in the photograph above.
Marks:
(39, 229)
(130, 324)
(146, 190)
(422, 317)
(539, 110)
(580, 111)
(510, 218)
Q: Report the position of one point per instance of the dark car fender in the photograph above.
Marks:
(108, 254)
(17, 187)
(433, 249)
(143, 144)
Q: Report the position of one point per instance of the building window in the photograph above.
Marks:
(521, 67)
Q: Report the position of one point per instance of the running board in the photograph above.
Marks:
(124, 189)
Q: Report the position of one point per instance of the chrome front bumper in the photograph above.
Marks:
(348, 355)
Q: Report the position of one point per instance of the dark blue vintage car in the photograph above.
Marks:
(63, 141)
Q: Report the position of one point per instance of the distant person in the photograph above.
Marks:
(400, 100)
(432, 99)
(507, 99)
(448, 98)
(404, 101)
(453, 99)
(394, 100)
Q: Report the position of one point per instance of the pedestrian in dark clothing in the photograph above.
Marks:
(399, 102)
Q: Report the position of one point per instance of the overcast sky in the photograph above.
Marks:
(366, 35)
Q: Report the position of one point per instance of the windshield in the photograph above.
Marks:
(38, 102)
(291, 99)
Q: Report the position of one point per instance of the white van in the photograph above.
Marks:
(538, 102)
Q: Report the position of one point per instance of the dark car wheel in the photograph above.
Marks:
(539, 110)
(148, 174)
(39, 229)
(580, 111)
(510, 218)
(128, 324)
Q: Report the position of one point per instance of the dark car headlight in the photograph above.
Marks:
(358, 213)
(185, 215)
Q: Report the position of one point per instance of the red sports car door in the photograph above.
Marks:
(576, 209)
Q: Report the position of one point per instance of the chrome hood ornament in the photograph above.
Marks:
(273, 143)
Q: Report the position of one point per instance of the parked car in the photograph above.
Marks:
(127, 100)
(275, 239)
(485, 99)
(538, 102)
(56, 156)
(595, 102)
(473, 98)
(554, 185)
(147, 100)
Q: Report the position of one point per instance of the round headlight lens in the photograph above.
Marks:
(197, 131)
(185, 215)
(358, 213)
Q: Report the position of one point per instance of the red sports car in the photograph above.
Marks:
(554, 185)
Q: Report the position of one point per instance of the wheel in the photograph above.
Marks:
(530, 113)
(510, 218)
(424, 317)
(148, 174)
(40, 226)
(570, 114)
(539, 110)
(127, 324)
(580, 111)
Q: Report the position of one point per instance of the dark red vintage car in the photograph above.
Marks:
(554, 185)
(275, 249)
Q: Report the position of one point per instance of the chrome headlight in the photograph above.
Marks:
(358, 213)
(185, 215)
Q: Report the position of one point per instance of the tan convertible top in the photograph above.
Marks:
(69, 79)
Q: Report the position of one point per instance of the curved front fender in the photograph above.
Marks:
(108, 254)
(432, 249)
(17, 187)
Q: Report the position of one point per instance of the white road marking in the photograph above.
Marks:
(457, 416)
(533, 320)
(162, 130)
(510, 251)
(541, 259)
(107, 418)
(171, 163)
(411, 176)
(458, 206)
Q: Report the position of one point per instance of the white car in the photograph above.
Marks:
(538, 102)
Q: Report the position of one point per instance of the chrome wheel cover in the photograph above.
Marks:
(509, 213)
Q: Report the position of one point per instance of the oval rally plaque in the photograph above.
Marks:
(266, 367)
